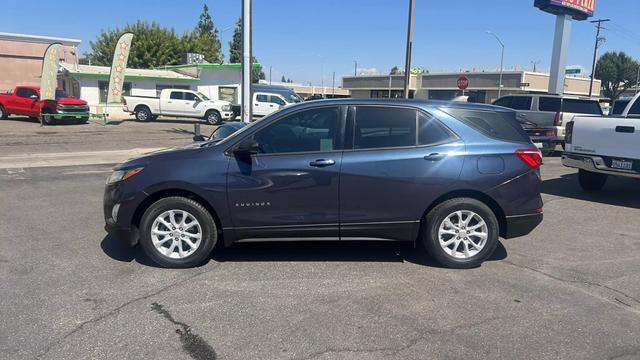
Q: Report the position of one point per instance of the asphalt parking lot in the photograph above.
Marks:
(569, 290)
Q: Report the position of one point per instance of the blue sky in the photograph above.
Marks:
(309, 40)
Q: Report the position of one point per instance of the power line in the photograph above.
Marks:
(595, 51)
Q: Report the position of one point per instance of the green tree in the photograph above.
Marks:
(204, 38)
(617, 71)
(235, 45)
(395, 71)
(235, 53)
(283, 79)
(152, 46)
(289, 80)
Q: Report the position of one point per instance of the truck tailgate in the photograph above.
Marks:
(606, 136)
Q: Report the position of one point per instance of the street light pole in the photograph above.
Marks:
(407, 64)
(595, 52)
(246, 62)
(501, 61)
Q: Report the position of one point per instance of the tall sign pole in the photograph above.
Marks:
(246, 62)
(595, 52)
(407, 64)
(565, 11)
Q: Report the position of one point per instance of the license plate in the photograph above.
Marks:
(621, 164)
(538, 145)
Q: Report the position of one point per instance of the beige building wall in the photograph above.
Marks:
(21, 58)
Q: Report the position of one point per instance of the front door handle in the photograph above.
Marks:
(435, 156)
(322, 163)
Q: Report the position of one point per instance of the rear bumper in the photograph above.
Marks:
(543, 140)
(597, 164)
(521, 225)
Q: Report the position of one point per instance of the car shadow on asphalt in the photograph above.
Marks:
(617, 191)
(333, 251)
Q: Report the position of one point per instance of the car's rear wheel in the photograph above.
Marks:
(3, 114)
(213, 117)
(461, 233)
(143, 114)
(177, 232)
(590, 181)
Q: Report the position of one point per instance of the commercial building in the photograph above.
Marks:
(21, 57)
(482, 86)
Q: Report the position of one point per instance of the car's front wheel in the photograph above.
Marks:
(461, 233)
(177, 232)
(212, 117)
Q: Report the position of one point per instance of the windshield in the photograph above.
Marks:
(242, 131)
(293, 98)
(203, 96)
(60, 94)
(619, 106)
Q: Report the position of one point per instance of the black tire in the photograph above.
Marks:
(563, 146)
(207, 224)
(143, 114)
(48, 119)
(212, 117)
(3, 114)
(437, 216)
(590, 181)
(154, 117)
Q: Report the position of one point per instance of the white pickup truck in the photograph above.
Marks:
(603, 146)
(179, 103)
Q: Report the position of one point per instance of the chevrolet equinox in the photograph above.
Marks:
(451, 176)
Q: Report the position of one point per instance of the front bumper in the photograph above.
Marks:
(128, 235)
(119, 223)
(521, 225)
(226, 115)
(599, 164)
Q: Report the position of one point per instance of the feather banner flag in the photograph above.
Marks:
(49, 79)
(118, 67)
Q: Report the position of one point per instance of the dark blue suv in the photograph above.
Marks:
(451, 176)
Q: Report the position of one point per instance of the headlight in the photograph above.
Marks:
(120, 175)
(226, 107)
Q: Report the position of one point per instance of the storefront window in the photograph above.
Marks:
(229, 94)
(103, 87)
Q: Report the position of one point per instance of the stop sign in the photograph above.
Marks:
(463, 82)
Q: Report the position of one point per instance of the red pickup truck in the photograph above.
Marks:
(25, 100)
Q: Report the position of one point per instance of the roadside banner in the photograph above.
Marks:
(49, 78)
(118, 67)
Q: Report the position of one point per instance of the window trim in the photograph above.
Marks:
(352, 123)
(342, 113)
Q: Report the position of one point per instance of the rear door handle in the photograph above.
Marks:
(322, 163)
(435, 156)
(625, 129)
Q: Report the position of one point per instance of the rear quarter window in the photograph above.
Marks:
(500, 125)
(577, 106)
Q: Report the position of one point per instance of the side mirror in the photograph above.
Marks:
(199, 138)
(247, 148)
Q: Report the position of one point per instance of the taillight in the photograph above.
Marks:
(568, 132)
(557, 121)
(550, 133)
(531, 157)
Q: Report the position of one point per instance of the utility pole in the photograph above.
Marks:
(333, 85)
(246, 62)
(355, 68)
(535, 63)
(595, 51)
(270, 75)
(407, 64)
(638, 79)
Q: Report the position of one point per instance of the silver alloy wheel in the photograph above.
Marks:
(212, 118)
(176, 234)
(142, 115)
(1, 113)
(463, 234)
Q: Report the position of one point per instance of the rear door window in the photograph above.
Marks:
(384, 127)
(177, 95)
(262, 98)
(546, 103)
(25, 92)
(619, 106)
(521, 103)
(500, 125)
(432, 132)
(505, 101)
(579, 106)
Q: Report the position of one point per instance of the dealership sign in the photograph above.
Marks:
(578, 9)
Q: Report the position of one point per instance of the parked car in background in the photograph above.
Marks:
(25, 101)
(451, 176)
(315, 97)
(545, 112)
(270, 98)
(605, 146)
(178, 103)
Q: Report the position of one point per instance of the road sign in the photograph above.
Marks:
(573, 71)
(524, 84)
(463, 82)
